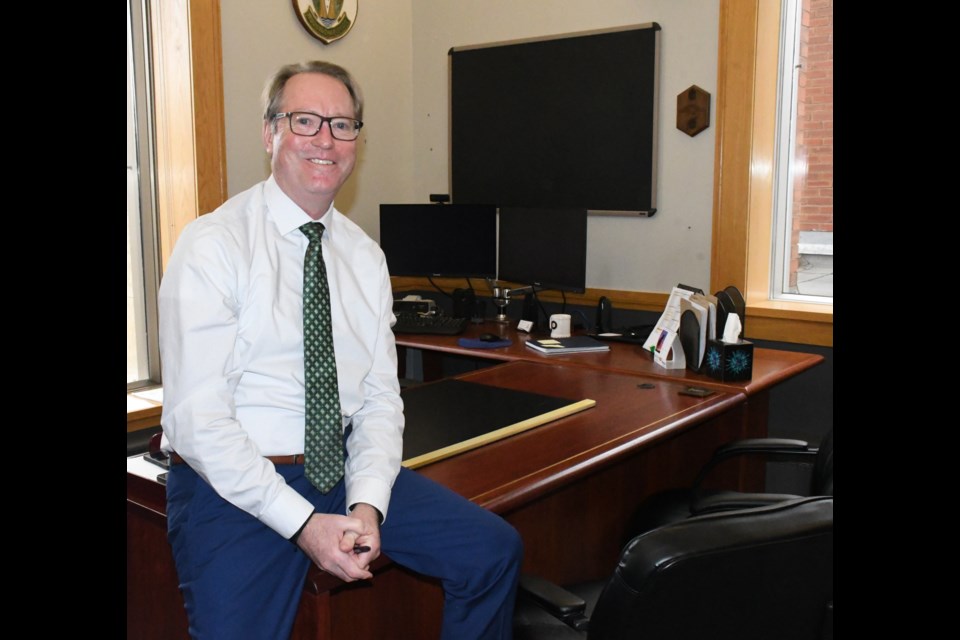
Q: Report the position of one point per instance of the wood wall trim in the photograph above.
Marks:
(174, 122)
(143, 419)
(633, 300)
(142, 412)
(736, 53)
(762, 152)
(188, 113)
(209, 127)
(802, 323)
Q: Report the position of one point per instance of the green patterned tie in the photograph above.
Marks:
(323, 443)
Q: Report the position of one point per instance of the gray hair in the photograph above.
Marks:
(273, 92)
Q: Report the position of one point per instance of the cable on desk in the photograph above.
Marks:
(438, 288)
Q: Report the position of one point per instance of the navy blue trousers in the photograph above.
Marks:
(240, 579)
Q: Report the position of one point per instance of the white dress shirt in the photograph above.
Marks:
(231, 344)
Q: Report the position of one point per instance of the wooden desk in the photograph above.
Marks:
(570, 483)
(770, 366)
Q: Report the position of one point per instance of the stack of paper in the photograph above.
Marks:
(687, 322)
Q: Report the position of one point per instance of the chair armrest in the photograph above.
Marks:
(555, 600)
(763, 444)
(732, 500)
(780, 449)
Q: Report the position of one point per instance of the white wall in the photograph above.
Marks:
(259, 37)
(398, 51)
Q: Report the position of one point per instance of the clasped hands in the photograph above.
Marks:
(330, 539)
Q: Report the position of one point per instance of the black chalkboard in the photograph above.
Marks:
(564, 121)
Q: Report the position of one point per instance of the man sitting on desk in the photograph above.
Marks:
(246, 308)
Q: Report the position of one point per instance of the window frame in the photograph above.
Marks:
(747, 77)
(189, 136)
(144, 257)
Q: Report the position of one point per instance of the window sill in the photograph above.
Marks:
(144, 408)
(797, 322)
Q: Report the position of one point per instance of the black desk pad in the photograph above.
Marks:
(451, 416)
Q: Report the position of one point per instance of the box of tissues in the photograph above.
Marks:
(728, 361)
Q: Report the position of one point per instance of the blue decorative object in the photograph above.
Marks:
(728, 361)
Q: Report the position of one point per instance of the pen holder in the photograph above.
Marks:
(728, 361)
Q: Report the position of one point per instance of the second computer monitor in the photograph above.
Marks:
(546, 248)
(452, 240)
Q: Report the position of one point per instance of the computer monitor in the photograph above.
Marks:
(427, 240)
(544, 248)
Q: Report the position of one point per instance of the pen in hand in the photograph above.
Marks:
(360, 549)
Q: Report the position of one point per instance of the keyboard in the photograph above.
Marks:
(440, 325)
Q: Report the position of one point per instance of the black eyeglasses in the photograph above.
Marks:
(304, 123)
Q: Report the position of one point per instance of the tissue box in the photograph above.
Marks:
(728, 361)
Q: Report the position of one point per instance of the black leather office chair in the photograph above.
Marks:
(708, 564)
(676, 504)
(761, 573)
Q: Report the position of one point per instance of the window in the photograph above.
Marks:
(143, 364)
(745, 184)
(176, 158)
(803, 191)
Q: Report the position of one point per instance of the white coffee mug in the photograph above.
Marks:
(560, 325)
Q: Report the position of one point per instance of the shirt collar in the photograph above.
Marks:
(285, 213)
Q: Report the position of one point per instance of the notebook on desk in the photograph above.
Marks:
(451, 416)
(574, 344)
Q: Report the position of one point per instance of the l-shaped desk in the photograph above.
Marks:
(569, 486)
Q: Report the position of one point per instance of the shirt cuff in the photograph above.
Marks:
(375, 493)
(296, 536)
(287, 514)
